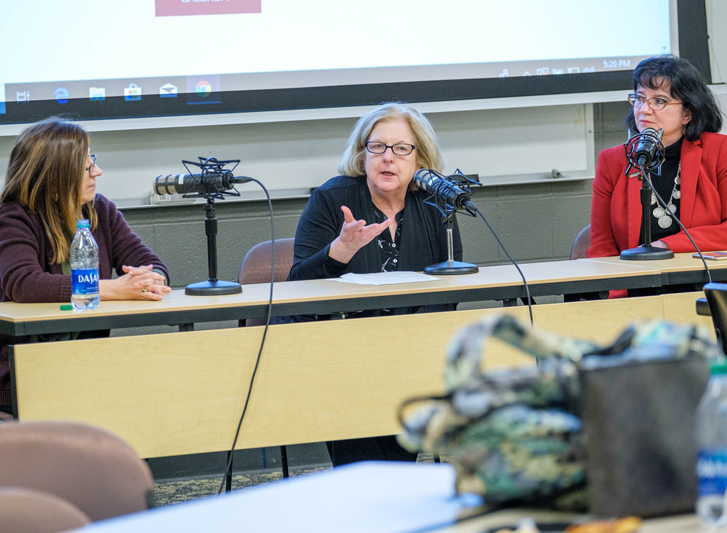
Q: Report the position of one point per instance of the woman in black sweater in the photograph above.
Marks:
(372, 218)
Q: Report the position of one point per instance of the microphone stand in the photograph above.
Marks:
(213, 286)
(645, 252)
(450, 266)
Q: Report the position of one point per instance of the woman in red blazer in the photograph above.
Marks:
(668, 95)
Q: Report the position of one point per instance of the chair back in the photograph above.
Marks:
(581, 244)
(25, 511)
(255, 266)
(717, 298)
(89, 467)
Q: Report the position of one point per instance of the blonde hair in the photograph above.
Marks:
(45, 174)
(428, 154)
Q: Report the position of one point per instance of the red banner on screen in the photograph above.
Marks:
(180, 8)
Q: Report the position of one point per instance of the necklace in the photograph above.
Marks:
(659, 212)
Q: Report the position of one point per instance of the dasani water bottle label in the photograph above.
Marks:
(85, 281)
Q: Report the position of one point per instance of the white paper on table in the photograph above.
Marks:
(384, 278)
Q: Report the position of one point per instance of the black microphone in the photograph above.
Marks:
(646, 148)
(206, 182)
(444, 189)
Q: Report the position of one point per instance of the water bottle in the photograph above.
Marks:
(711, 425)
(84, 269)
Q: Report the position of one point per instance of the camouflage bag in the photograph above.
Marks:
(516, 435)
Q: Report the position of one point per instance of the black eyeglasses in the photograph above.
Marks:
(93, 158)
(657, 104)
(376, 147)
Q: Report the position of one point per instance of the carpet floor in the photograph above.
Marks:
(171, 492)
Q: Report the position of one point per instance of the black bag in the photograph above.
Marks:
(638, 419)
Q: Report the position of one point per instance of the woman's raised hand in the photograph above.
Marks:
(355, 234)
(138, 283)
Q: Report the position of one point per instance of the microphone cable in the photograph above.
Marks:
(262, 342)
(527, 289)
(663, 204)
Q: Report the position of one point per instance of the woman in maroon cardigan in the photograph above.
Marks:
(669, 95)
(50, 184)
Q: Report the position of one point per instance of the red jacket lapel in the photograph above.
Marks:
(691, 158)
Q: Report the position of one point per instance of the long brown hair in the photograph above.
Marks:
(45, 173)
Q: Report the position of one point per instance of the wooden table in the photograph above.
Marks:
(365, 497)
(182, 393)
(324, 296)
(683, 268)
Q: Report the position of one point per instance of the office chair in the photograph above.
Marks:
(717, 308)
(32, 511)
(581, 244)
(578, 251)
(87, 466)
(255, 268)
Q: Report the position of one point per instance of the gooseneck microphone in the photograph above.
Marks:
(204, 182)
(444, 189)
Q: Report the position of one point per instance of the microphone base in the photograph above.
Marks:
(646, 253)
(451, 268)
(213, 288)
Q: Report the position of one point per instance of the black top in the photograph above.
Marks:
(664, 185)
(389, 247)
(422, 240)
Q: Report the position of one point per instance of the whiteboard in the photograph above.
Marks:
(292, 157)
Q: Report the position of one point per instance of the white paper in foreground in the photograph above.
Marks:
(384, 278)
